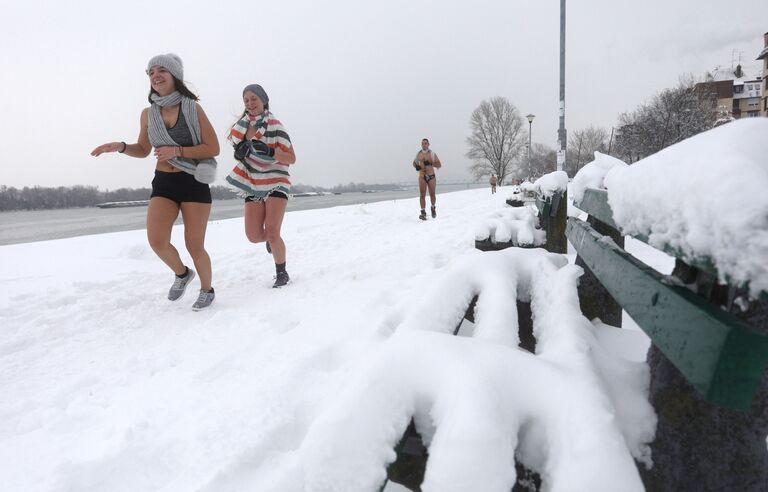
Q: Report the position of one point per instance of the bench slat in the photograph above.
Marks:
(723, 358)
(595, 203)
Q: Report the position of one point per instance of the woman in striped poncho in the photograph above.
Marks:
(264, 151)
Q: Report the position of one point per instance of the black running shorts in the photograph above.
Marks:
(272, 194)
(180, 187)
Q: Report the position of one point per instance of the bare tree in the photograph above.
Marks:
(671, 116)
(543, 160)
(498, 138)
(582, 145)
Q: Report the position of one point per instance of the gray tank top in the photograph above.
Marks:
(180, 132)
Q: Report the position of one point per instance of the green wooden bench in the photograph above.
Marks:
(708, 356)
(721, 356)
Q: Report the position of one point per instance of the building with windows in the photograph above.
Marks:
(764, 56)
(747, 98)
(734, 95)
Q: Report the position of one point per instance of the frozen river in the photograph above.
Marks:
(43, 225)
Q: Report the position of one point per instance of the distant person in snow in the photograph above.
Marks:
(185, 145)
(426, 162)
(264, 151)
(492, 181)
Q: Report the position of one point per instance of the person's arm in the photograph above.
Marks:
(140, 149)
(436, 161)
(285, 156)
(209, 142)
(417, 162)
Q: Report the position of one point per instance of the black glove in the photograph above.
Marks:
(241, 150)
(417, 166)
(261, 148)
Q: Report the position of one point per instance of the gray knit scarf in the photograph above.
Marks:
(204, 170)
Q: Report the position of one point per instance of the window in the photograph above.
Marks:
(738, 89)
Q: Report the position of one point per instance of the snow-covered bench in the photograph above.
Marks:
(573, 412)
(509, 227)
(516, 198)
(703, 201)
(526, 226)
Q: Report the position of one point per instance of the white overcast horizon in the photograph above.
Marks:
(357, 84)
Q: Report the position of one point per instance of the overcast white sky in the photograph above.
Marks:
(356, 83)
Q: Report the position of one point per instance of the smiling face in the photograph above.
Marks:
(161, 80)
(253, 103)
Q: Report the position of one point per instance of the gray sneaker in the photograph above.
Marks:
(180, 285)
(204, 299)
(281, 279)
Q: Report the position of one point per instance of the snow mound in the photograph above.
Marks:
(511, 224)
(593, 174)
(548, 185)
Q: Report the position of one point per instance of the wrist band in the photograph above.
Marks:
(125, 146)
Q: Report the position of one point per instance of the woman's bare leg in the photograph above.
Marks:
(254, 222)
(275, 211)
(195, 217)
(161, 214)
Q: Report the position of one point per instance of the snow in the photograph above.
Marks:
(593, 174)
(548, 184)
(511, 224)
(478, 399)
(105, 385)
(704, 197)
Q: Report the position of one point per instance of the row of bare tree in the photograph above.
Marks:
(498, 142)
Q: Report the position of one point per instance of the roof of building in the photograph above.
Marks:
(763, 54)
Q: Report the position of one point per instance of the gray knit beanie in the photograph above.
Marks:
(259, 91)
(170, 62)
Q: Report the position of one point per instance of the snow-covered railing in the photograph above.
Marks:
(704, 202)
(477, 401)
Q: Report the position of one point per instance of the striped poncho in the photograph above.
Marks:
(260, 174)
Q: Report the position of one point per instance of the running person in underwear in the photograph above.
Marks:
(493, 181)
(264, 152)
(426, 162)
(185, 144)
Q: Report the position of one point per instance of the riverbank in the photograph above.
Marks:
(43, 225)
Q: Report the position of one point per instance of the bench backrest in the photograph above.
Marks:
(721, 356)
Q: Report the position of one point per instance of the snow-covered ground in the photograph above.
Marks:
(105, 385)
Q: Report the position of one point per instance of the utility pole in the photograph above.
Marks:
(562, 136)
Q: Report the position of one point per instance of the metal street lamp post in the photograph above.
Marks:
(530, 123)
(562, 135)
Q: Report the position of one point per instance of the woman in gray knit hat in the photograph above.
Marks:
(185, 145)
